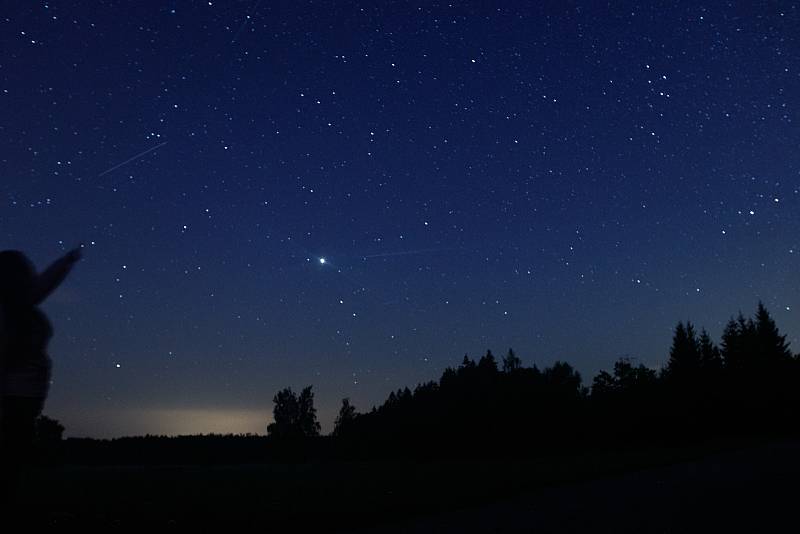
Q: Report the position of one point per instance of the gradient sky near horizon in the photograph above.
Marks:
(354, 195)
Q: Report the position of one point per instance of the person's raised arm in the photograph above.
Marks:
(52, 277)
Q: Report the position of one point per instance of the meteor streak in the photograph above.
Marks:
(409, 252)
(137, 156)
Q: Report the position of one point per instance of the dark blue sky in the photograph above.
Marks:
(567, 179)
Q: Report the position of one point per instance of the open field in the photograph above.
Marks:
(749, 490)
(553, 493)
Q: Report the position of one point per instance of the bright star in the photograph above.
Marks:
(322, 261)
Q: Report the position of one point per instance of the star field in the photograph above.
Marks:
(354, 195)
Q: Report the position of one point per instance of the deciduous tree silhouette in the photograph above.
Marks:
(48, 430)
(626, 379)
(347, 414)
(48, 438)
(624, 404)
(294, 416)
(564, 378)
(308, 414)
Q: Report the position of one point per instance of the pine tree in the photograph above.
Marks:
(404, 395)
(511, 362)
(732, 345)
(488, 364)
(747, 341)
(771, 345)
(710, 359)
(448, 377)
(467, 368)
(684, 355)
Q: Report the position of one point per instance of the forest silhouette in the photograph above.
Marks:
(711, 437)
(745, 386)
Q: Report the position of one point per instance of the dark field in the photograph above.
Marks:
(657, 490)
(753, 490)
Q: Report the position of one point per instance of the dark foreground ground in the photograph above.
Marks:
(754, 490)
(743, 487)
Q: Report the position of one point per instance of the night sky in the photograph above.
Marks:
(355, 195)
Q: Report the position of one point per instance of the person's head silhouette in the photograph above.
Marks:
(25, 364)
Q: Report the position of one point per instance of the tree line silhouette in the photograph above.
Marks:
(745, 386)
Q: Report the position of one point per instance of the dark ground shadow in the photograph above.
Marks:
(753, 490)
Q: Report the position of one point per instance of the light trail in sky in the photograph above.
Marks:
(409, 252)
(137, 156)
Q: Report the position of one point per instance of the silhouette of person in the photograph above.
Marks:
(24, 363)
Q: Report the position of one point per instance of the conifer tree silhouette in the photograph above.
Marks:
(732, 350)
(487, 364)
(511, 362)
(684, 355)
(710, 358)
(771, 345)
